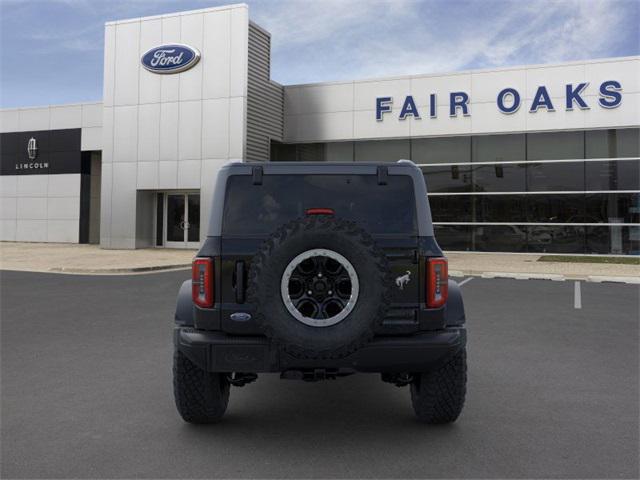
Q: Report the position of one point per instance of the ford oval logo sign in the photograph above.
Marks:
(173, 58)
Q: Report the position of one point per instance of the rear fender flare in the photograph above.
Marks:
(454, 313)
(184, 305)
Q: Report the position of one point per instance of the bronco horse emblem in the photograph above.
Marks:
(403, 280)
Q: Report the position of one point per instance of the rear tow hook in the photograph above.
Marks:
(240, 379)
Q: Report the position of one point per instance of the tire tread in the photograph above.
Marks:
(438, 396)
(201, 397)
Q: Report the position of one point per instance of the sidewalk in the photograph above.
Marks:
(491, 265)
(90, 259)
(73, 258)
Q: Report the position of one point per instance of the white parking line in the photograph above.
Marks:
(465, 281)
(577, 296)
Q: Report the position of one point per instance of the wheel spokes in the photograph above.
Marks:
(343, 287)
(319, 288)
(314, 304)
(308, 307)
(331, 307)
(297, 287)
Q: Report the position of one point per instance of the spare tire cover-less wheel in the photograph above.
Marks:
(319, 286)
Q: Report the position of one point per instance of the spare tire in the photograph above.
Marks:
(319, 286)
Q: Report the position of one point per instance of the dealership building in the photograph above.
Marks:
(541, 158)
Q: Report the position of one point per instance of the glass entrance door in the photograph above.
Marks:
(182, 220)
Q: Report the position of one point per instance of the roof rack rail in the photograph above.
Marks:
(404, 160)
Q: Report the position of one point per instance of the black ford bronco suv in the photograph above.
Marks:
(316, 271)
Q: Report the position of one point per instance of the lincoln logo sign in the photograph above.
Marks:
(32, 148)
(508, 101)
(172, 58)
(32, 154)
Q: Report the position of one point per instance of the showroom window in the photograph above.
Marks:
(499, 238)
(612, 143)
(312, 152)
(382, 150)
(339, 152)
(500, 208)
(613, 207)
(448, 178)
(612, 175)
(441, 150)
(555, 145)
(532, 182)
(555, 177)
(618, 240)
(452, 208)
(455, 237)
(498, 177)
(499, 148)
(558, 208)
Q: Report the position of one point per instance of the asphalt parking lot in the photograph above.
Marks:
(86, 392)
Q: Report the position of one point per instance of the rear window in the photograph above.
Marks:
(260, 209)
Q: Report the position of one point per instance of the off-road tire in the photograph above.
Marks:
(319, 232)
(201, 397)
(438, 396)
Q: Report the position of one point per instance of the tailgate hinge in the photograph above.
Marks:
(383, 174)
(256, 173)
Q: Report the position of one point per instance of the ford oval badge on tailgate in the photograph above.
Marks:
(240, 316)
(173, 58)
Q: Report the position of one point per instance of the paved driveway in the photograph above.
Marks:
(86, 392)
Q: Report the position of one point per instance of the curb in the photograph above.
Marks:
(599, 279)
(452, 273)
(154, 268)
(547, 276)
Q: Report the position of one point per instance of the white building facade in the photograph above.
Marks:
(537, 158)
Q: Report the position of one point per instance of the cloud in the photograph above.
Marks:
(293, 22)
(557, 31)
(52, 40)
(321, 40)
(359, 39)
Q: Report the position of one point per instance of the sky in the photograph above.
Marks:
(51, 51)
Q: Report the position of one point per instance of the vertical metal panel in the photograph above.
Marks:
(265, 101)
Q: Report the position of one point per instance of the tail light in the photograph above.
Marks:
(202, 282)
(437, 282)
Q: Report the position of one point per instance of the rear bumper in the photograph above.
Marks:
(218, 352)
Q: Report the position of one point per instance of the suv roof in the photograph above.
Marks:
(257, 170)
(324, 165)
